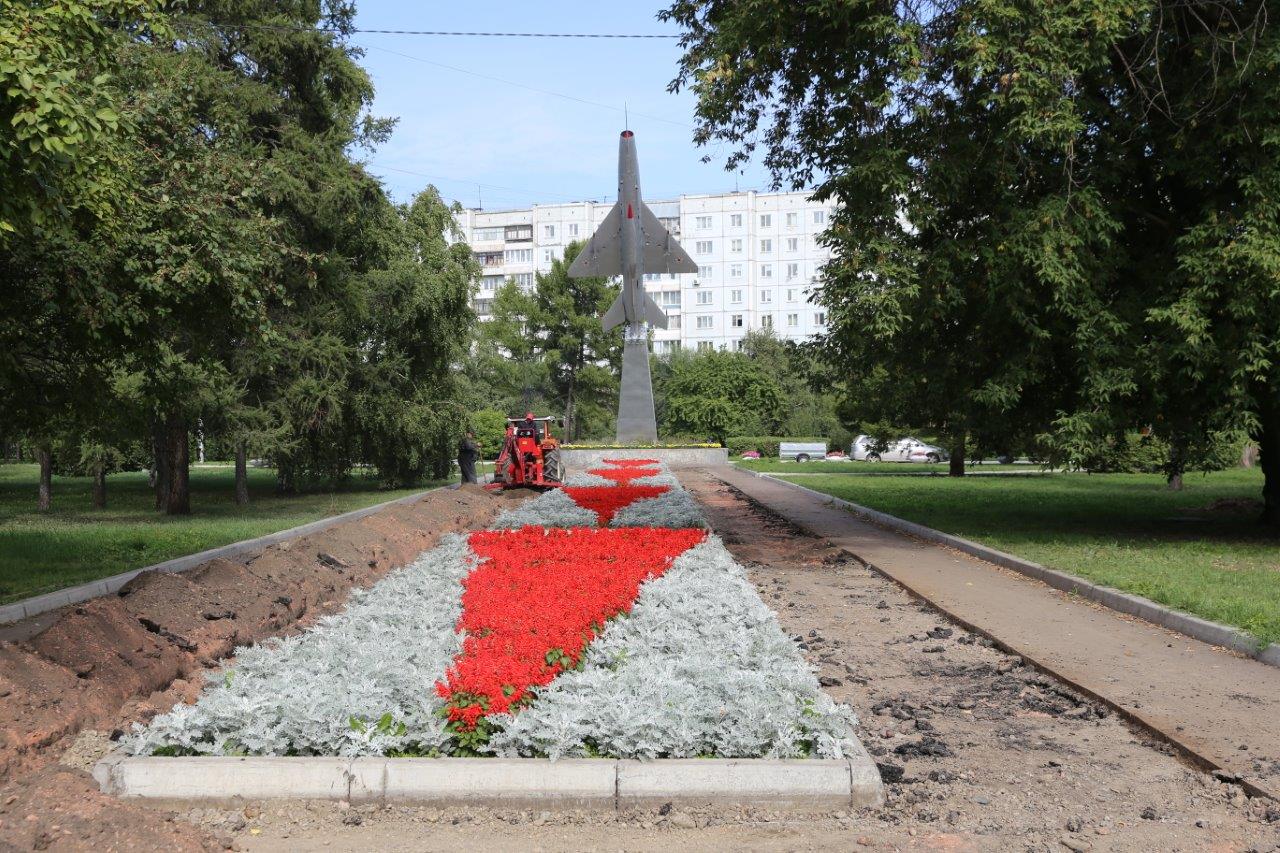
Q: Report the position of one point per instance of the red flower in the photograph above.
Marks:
(537, 599)
(624, 475)
(604, 501)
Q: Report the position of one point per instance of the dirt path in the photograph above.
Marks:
(980, 752)
(1217, 705)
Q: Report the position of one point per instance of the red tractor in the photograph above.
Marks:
(530, 455)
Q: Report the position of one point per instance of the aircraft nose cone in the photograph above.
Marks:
(626, 134)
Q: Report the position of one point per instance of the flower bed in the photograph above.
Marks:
(629, 633)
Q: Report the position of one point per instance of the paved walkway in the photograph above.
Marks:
(1221, 708)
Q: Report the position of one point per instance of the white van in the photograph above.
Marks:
(802, 451)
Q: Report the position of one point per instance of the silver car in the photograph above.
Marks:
(907, 449)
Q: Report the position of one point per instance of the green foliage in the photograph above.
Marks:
(490, 427)
(63, 111)
(544, 351)
(1025, 245)
(716, 393)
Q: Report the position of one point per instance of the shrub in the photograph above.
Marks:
(766, 444)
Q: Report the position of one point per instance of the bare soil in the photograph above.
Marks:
(979, 751)
(108, 663)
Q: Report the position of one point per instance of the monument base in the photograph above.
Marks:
(636, 421)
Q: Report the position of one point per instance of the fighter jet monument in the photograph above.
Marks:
(631, 242)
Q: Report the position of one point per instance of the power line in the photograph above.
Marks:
(574, 98)
(465, 33)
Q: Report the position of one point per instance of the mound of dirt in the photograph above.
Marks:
(121, 659)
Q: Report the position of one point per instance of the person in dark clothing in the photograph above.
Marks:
(468, 451)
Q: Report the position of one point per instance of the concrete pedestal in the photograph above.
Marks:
(636, 421)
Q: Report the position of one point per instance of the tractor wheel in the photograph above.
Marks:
(552, 466)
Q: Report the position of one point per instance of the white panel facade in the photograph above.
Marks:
(758, 255)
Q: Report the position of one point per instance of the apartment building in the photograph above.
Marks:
(758, 254)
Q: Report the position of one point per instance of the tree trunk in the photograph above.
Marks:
(956, 467)
(1269, 460)
(242, 475)
(44, 501)
(160, 466)
(1177, 465)
(570, 420)
(100, 488)
(178, 493)
(284, 478)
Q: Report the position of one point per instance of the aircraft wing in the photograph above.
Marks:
(661, 251)
(602, 256)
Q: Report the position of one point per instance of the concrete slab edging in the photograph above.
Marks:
(1213, 633)
(38, 604)
(575, 782)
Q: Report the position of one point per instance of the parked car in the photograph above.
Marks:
(802, 451)
(751, 454)
(907, 449)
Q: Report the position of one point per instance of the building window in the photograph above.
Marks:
(670, 298)
(485, 235)
(519, 256)
(793, 244)
(704, 297)
(735, 220)
(736, 321)
(524, 279)
(735, 270)
(793, 272)
(484, 306)
(549, 232)
(819, 217)
(573, 229)
(737, 345)
(704, 223)
(793, 219)
(766, 296)
(703, 247)
(791, 294)
(673, 323)
(704, 321)
(548, 256)
(705, 346)
(766, 270)
(490, 282)
(735, 296)
(518, 233)
(766, 246)
(820, 318)
(766, 220)
(766, 322)
(704, 272)
(735, 245)
(793, 320)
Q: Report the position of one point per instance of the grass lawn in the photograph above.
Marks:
(887, 469)
(41, 552)
(1198, 550)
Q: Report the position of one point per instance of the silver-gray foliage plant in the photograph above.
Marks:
(297, 695)
(700, 667)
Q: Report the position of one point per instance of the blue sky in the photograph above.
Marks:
(458, 129)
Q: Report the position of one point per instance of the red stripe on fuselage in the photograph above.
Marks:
(630, 213)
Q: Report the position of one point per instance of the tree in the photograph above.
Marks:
(505, 367)
(61, 108)
(1063, 214)
(717, 394)
(581, 358)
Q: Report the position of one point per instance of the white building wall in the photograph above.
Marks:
(758, 255)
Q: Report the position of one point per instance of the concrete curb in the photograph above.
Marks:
(1213, 633)
(36, 605)
(587, 782)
